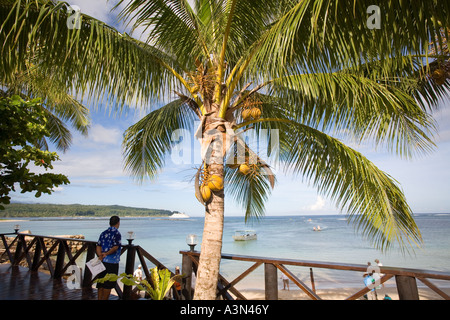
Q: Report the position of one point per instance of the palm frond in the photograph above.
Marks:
(59, 133)
(147, 142)
(251, 190)
(372, 200)
(330, 35)
(160, 18)
(369, 110)
(94, 61)
(59, 105)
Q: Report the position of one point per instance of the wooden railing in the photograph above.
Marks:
(405, 279)
(35, 250)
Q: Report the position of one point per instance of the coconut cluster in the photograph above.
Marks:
(441, 74)
(206, 183)
(210, 184)
(251, 109)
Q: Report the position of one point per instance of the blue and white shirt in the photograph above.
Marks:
(109, 238)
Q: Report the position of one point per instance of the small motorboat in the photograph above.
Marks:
(244, 235)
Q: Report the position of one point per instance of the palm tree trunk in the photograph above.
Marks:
(211, 249)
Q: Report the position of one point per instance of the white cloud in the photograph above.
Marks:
(100, 134)
(101, 10)
(97, 156)
(99, 181)
(443, 119)
(89, 164)
(98, 9)
(318, 205)
(175, 184)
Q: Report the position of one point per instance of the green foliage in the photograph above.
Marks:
(77, 210)
(22, 129)
(161, 283)
(157, 288)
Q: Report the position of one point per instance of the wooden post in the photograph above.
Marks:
(8, 248)
(59, 260)
(18, 253)
(37, 254)
(186, 284)
(271, 281)
(129, 269)
(87, 278)
(313, 285)
(407, 288)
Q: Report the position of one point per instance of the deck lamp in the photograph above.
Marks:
(191, 241)
(130, 237)
(16, 228)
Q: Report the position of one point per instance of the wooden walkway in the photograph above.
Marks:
(57, 255)
(19, 283)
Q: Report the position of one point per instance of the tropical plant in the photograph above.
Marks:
(310, 72)
(29, 81)
(49, 104)
(157, 288)
(161, 283)
(23, 126)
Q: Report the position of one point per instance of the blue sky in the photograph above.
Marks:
(94, 166)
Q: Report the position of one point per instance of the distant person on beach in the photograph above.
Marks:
(177, 283)
(285, 281)
(379, 264)
(138, 273)
(108, 250)
(193, 281)
(369, 282)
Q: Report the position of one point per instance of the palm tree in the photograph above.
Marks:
(58, 104)
(313, 69)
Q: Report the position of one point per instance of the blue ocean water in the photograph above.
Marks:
(290, 237)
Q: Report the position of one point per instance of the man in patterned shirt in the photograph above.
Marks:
(108, 250)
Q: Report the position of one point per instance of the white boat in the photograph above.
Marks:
(244, 235)
(179, 215)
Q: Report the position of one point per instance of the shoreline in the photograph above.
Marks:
(296, 293)
(339, 294)
(252, 294)
(105, 217)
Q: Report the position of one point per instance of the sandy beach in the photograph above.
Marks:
(340, 294)
(10, 220)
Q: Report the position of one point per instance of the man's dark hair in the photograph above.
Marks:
(114, 220)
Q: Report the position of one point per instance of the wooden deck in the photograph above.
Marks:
(28, 255)
(19, 283)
